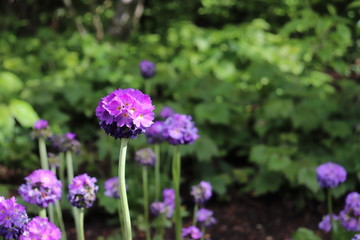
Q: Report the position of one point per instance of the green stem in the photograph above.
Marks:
(51, 213)
(196, 208)
(146, 201)
(148, 87)
(157, 172)
(70, 176)
(176, 171)
(329, 202)
(81, 235)
(43, 154)
(202, 232)
(122, 189)
(121, 219)
(42, 212)
(60, 219)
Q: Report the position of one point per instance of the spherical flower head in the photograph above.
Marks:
(180, 129)
(356, 237)
(348, 220)
(66, 142)
(125, 113)
(41, 129)
(160, 208)
(82, 191)
(145, 157)
(325, 223)
(13, 218)
(166, 112)
(201, 192)
(353, 201)
(40, 229)
(147, 69)
(330, 175)
(154, 134)
(41, 188)
(169, 197)
(191, 233)
(112, 187)
(205, 216)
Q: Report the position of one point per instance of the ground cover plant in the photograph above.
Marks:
(271, 87)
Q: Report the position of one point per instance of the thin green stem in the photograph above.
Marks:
(196, 208)
(148, 87)
(70, 176)
(81, 234)
(60, 219)
(146, 201)
(51, 213)
(176, 171)
(122, 189)
(42, 212)
(329, 202)
(43, 154)
(157, 172)
(121, 219)
(202, 232)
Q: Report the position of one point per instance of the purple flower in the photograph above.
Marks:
(145, 157)
(66, 142)
(167, 206)
(169, 197)
(166, 112)
(82, 191)
(41, 124)
(112, 187)
(325, 223)
(13, 218)
(205, 216)
(147, 69)
(180, 129)
(353, 201)
(350, 215)
(191, 233)
(201, 192)
(157, 208)
(40, 229)
(125, 113)
(356, 237)
(330, 175)
(41, 188)
(154, 134)
(41, 129)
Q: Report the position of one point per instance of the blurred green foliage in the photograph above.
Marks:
(272, 85)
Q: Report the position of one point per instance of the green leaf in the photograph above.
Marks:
(217, 113)
(220, 183)
(206, 148)
(305, 234)
(337, 129)
(307, 177)
(9, 83)
(23, 112)
(6, 121)
(276, 108)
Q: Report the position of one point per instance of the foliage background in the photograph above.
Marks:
(273, 86)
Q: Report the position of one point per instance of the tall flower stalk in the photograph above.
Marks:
(157, 172)
(176, 173)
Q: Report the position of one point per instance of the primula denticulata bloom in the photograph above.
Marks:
(191, 233)
(82, 191)
(330, 175)
(40, 229)
(201, 192)
(147, 69)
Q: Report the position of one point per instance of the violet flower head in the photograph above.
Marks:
(40, 229)
(112, 187)
(169, 197)
(66, 142)
(205, 216)
(180, 129)
(350, 215)
(166, 112)
(191, 233)
(325, 223)
(147, 69)
(201, 192)
(41, 129)
(154, 134)
(125, 113)
(13, 218)
(145, 157)
(157, 208)
(356, 237)
(330, 175)
(41, 188)
(82, 191)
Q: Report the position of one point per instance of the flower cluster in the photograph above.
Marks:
(125, 113)
(201, 192)
(145, 157)
(112, 187)
(40, 229)
(325, 223)
(13, 218)
(180, 129)
(41, 129)
(205, 217)
(350, 215)
(147, 69)
(154, 134)
(191, 233)
(166, 206)
(330, 175)
(41, 188)
(356, 237)
(166, 112)
(82, 191)
(66, 142)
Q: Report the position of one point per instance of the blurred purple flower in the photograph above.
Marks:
(167, 206)
(125, 113)
(191, 233)
(205, 216)
(166, 112)
(41, 124)
(13, 218)
(154, 134)
(82, 191)
(325, 223)
(66, 142)
(112, 187)
(330, 175)
(169, 197)
(41, 188)
(201, 192)
(180, 129)
(356, 237)
(145, 157)
(350, 215)
(40, 229)
(41, 129)
(147, 69)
